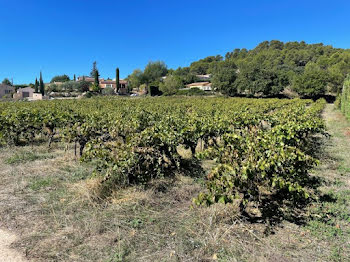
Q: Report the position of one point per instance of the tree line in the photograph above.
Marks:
(271, 68)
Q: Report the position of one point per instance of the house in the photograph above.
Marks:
(107, 83)
(87, 79)
(205, 86)
(26, 92)
(123, 85)
(6, 91)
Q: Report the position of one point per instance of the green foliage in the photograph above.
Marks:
(193, 92)
(345, 98)
(83, 86)
(6, 81)
(108, 91)
(41, 85)
(154, 71)
(135, 79)
(254, 80)
(204, 66)
(312, 82)
(70, 86)
(117, 79)
(23, 157)
(97, 80)
(95, 88)
(273, 66)
(93, 70)
(261, 166)
(170, 85)
(224, 77)
(259, 146)
(36, 86)
(60, 78)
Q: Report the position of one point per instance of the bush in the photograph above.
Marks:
(108, 91)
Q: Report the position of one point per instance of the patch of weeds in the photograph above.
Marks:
(23, 157)
(41, 183)
(77, 173)
(324, 230)
(327, 216)
(118, 256)
(336, 254)
(343, 169)
(338, 182)
(136, 223)
(225, 255)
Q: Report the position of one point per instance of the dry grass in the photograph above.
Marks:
(52, 203)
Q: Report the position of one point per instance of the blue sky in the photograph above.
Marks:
(66, 36)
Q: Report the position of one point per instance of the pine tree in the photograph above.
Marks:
(41, 84)
(36, 86)
(117, 79)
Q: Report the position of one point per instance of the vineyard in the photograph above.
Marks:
(259, 147)
(345, 98)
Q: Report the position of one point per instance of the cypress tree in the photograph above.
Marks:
(117, 79)
(94, 69)
(36, 86)
(74, 78)
(97, 81)
(41, 83)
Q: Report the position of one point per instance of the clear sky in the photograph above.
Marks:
(66, 36)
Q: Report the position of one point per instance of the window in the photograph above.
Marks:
(7, 91)
(25, 94)
(109, 85)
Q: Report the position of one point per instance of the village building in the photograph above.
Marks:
(22, 93)
(108, 83)
(205, 86)
(6, 91)
(87, 79)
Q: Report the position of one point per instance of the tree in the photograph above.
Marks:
(312, 83)
(203, 66)
(97, 80)
(170, 85)
(154, 71)
(60, 78)
(255, 80)
(74, 78)
(117, 79)
(36, 85)
(6, 81)
(96, 85)
(135, 79)
(94, 69)
(224, 77)
(41, 84)
(83, 86)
